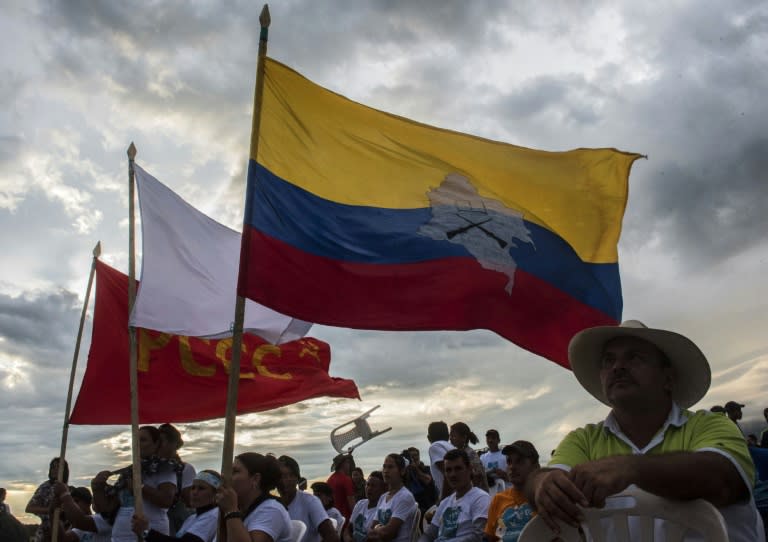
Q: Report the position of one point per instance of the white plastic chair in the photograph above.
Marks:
(334, 523)
(416, 526)
(340, 526)
(341, 436)
(498, 486)
(630, 516)
(298, 528)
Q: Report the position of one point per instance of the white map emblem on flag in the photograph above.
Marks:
(484, 226)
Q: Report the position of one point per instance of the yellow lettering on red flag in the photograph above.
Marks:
(225, 345)
(188, 361)
(258, 361)
(147, 343)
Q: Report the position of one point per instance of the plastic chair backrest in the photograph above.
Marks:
(340, 526)
(298, 528)
(355, 429)
(416, 526)
(498, 486)
(632, 515)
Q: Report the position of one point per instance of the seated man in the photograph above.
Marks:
(510, 511)
(303, 506)
(462, 515)
(648, 377)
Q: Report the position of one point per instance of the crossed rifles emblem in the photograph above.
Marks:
(479, 225)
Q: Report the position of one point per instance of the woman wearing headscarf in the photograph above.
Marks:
(249, 512)
(200, 526)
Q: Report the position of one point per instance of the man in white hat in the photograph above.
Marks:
(648, 377)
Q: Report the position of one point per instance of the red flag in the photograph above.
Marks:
(184, 379)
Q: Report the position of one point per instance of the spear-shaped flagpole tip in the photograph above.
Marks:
(264, 18)
(132, 151)
(97, 250)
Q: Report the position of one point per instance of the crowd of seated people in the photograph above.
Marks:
(650, 439)
(400, 504)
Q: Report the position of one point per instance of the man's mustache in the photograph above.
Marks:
(620, 375)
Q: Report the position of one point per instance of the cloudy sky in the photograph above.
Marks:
(682, 82)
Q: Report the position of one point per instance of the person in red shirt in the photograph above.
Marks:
(341, 482)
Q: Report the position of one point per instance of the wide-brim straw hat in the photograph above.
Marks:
(692, 373)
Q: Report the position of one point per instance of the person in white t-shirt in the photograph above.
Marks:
(396, 511)
(494, 462)
(170, 444)
(201, 526)
(462, 515)
(438, 437)
(76, 505)
(364, 511)
(462, 436)
(303, 506)
(249, 512)
(324, 492)
(158, 488)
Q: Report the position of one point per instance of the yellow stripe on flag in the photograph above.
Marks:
(352, 154)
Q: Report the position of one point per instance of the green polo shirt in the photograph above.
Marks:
(683, 431)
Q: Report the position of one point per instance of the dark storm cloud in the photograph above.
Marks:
(40, 327)
(160, 26)
(704, 190)
(152, 60)
(570, 99)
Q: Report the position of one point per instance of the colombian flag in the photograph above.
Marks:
(359, 218)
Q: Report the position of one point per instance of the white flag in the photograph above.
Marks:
(189, 273)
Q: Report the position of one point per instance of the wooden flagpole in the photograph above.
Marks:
(133, 356)
(68, 408)
(228, 448)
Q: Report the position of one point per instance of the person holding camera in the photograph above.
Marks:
(419, 481)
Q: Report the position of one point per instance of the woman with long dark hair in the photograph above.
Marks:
(249, 512)
(396, 510)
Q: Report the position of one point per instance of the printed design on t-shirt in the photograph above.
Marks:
(512, 521)
(384, 515)
(126, 498)
(449, 524)
(492, 465)
(87, 537)
(358, 528)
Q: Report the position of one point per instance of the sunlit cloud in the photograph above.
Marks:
(14, 372)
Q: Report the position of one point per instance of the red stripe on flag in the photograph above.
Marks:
(450, 293)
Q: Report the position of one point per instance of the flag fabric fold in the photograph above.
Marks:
(184, 379)
(359, 218)
(189, 273)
